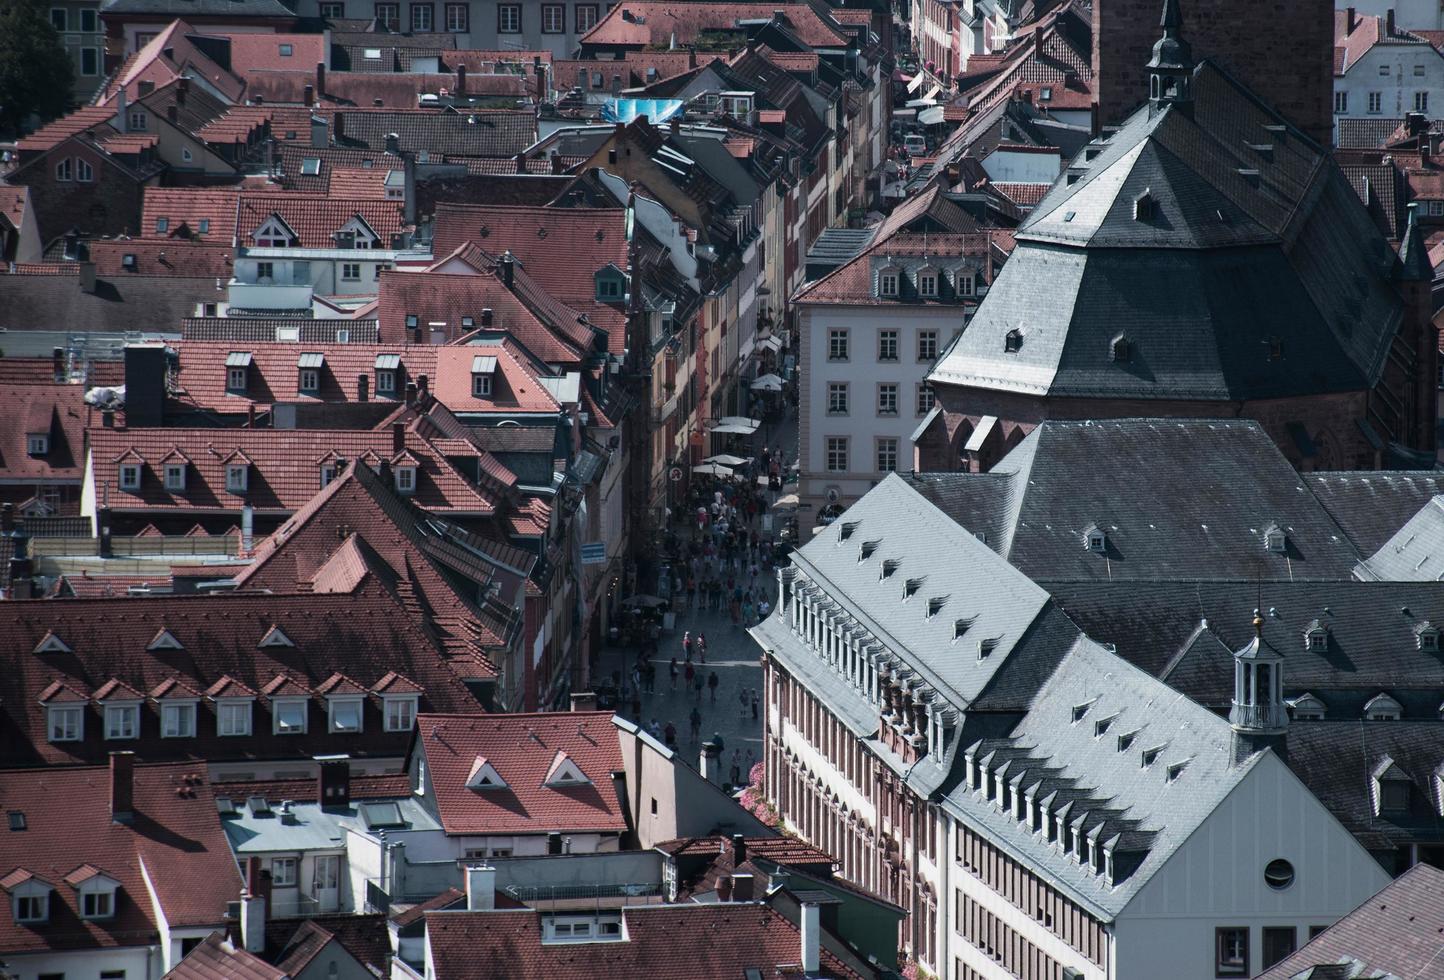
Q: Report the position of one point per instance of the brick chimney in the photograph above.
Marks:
(460, 79)
(398, 434)
(308, 95)
(363, 386)
(320, 79)
(1389, 22)
(739, 850)
(584, 701)
(743, 886)
(182, 88)
(122, 787)
(505, 268)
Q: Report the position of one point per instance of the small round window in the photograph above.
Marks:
(1279, 874)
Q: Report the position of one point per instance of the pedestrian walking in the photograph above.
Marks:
(654, 729)
(669, 734)
(702, 646)
(650, 675)
(673, 671)
(687, 645)
(756, 700)
(743, 699)
(736, 779)
(698, 688)
(691, 674)
(712, 685)
(696, 721)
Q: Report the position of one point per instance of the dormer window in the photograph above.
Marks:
(178, 719)
(237, 477)
(130, 476)
(65, 722)
(1426, 637)
(309, 366)
(483, 372)
(1392, 788)
(960, 628)
(37, 444)
(889, 565)
(345, 714)
(1013, 342)
(910, 588)
(175, 477)
(238, 364)
(328, 474)
(483, 776)
(400, 712)
(965, 281)
(233, 716)
(928, 284)
(611, 285)
(1381, 707)
(288, 716)
(1150, 756)
(1095, 539)
(1394, 797)
(122, 720)
(1145, 206)
(1276, 539)
(30, 899)
(1307, 707)
(887, 283)
(405, 479)
(97, 897)
(564, 772)
(1081, 710)
(1119, 350)
(387, 367)
(273, 233)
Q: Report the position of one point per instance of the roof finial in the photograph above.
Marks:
(1258, 623)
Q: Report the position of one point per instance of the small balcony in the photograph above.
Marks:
(1259, 717)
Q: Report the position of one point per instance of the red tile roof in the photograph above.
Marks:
(41, 370)
(514, 388)
(58, 411)
(639, 23)
(315, 219)
(366, 634)
(86, 586)
(783, 850)
(256, 52)
(434, 297)
(285, 468)
(274, 377)
(358, 183)
(523, 749)
(560, 249)
(211, 208)
(174, 845)
(396, 90)
(239, 124)
(1025, 195)
(217, 958)
(719, 941)
(169, 56)
(852, 283)
(178, 257)
(97, 118)
(44, 269)
(374, 786)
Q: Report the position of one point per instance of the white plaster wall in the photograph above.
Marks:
(138, 962)
(1397, 88)
(1216, 879)
(1023, 168)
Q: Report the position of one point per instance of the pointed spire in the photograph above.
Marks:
(1172, 19)
(1171, 68)
(1413, 255)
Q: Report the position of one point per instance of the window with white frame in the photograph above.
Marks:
(385, 382)
(458, 20)
(554, 18)
(1376, 102)
(345, 714)
(887, 282)
(265, 271)
(122, 721)
(283, 872)
(66, 722)
(508, 18)
(130, 476)
(966, 282)
(1421, 101)
(927, 345)
(926, 398)
(837, 454)
(837, 345)
(586, 17)
(233, 717)
(351, 271)
(887, 345)
(85, 173)
(97, 901)
(235, 379)
(388, 15)
(333, 11)
(237, 476)
(837, 398)
(421, 18)
(310, 380)
(887, 398)
(481, 385)
(1341, 102)
(37, 444)
(288, 716)
(137, 120)
(887, 455)
(328, 473)
(32, 903)
(64, 170)
(405, 479)
(178, 720)
(175, 476)
(928, 284)
(400, 713)
(1436, 209)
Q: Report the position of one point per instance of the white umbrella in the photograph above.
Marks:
(767, 382)
(712, 469)
(737, 425)
(727, 459)
(785, 502)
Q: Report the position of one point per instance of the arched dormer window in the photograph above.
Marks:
(1381, 707)
(1316, 637)
(1120, 351)
(1426, 637)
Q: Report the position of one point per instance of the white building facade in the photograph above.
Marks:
(1387, 74)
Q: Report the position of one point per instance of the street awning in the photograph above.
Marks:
(238, 358)
(981, 433)
(772, 343)
(933, 92)
(931, 116)
(727, 459)
(712, 469)
(736, 425)
(916, 83)
(311, 359)
(767, 382)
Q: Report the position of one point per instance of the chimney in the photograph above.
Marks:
(145, 384)
(724, 888)
(308, 95)
(554, 843)
(739, 850)
(57, 364)
(691, 56)
(505, 267)
(521, 163)
(541, 79)
(1349, 20)
(248, 528)
(333, 782)
(1095, 121)
(182, 86)
(423, 388)
(363, 384)
(711, 760)
(558, 164)
(675, 124)
(460, 79)
(122, 113)
(581, 700)
(102, 524)
(743, 887)
(253, 921)
(1389, 22)
(320, 79)
(318, 128)
(122, 787)
(7, 518)
(393, 144)
(87, 277)
(411, 392)
(171, 114)
(480, 888)
(811, 937)
(338, 126)
(486, 316)
(398, 437)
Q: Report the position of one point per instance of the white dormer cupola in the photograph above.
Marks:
(1258, 703)
(1095, 539)
(1276, 539)
(29, 897)
(274, 233)
(1382, 707)
(565, 772)
(483, 776)
(356, 233)
(1426, 636)
(1391, 789)
(1316, 637)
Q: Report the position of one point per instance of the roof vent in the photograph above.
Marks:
(1101, 726)
(1150, 756)
(1276, 539)
(889, 565)
(1250, 175)
(1119, 350)
(1013, 342)
(1145, 206)
(846, 530)
(1176, 770)
(1080, 710)
(935, 605)
(867, 549)
(986, 648)
(910, 588)
(960, 627)
(1125, 741)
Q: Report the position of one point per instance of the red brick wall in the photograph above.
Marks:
(1331, 421)
(1283, 49)
(108, 205)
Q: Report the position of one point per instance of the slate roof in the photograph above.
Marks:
(1227, 289)
(58, 411)
(1415, 553)
(1194, 506)
(175, 845)
(285, 468)
(1366, 133)
(1396, 932)
(521, 748)
(367, 634)
(473, 132)
(1337, 760)
(1371, 507)
(722, 942)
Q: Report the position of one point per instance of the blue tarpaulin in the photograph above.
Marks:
(626, 110)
